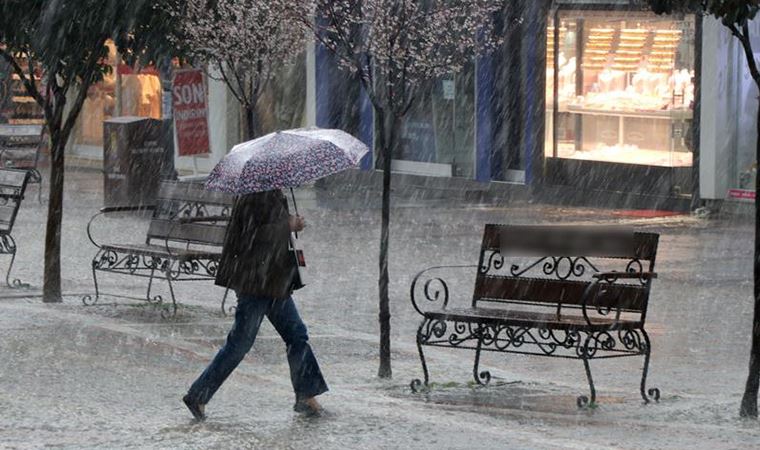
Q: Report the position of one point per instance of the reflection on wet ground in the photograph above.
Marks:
(111, 376)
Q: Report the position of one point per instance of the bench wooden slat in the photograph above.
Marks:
(192, 192)
(19, 153)
(543, 290)
(18, 141)
(527, 318)
(13, 178)
(198, 233)
(644, 248)
(7, 214)
(162, 252)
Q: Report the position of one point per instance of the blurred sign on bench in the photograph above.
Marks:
(599, 241)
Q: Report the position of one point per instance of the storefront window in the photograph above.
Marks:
(122, 92)
(437, 135)
(140, 93)
(624, 88)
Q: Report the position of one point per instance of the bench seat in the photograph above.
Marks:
(183, 242)
(160, 251)
(557, 291)
(533, 319)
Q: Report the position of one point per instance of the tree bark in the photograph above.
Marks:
(252, 123)
(749, 399)
(60, 129)
(51, 291)
(51, 282)
(387, 142)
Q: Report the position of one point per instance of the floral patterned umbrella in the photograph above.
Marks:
(285, 159)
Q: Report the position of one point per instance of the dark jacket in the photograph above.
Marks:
(256, 258)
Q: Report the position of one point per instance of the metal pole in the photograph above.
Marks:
(293, 195)
(295, 206)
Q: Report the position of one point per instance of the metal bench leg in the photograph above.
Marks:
(582, 400)
(10, 245)
(150, 285)
(156, 300)
(416, 384)
(87, 300)
(651, 393)
(484, 377)
(171, 292)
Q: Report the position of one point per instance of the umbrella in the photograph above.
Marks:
(285, 159)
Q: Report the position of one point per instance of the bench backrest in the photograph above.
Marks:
(553, 278)
(177, 200)
(12, 188)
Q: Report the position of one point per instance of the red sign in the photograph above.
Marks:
(190, 112)
(741, 194)
(124, 69)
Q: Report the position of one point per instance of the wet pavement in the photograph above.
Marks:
(111, 376)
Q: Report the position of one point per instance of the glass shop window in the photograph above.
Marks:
(620, 87)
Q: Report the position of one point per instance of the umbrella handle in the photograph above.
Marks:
(293, 195)
(295, 206)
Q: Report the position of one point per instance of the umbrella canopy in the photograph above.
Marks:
(285, 159)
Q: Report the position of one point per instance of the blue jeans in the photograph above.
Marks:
(304, 371)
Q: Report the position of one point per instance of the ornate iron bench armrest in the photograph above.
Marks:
(613, 276)
(114, 209)
(585, 300)
(609, 278)
(435, 289)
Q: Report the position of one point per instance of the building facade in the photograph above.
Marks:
(583, 97)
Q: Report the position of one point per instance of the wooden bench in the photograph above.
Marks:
(183, 243)
(20, 147)
(12, 188)
(592, 306)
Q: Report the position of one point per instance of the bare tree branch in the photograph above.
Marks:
(29, 84)
(228, 82)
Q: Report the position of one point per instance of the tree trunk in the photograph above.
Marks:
(252, 123)
(387, 142)
(749, 400)
(51, 292)
(60, 129)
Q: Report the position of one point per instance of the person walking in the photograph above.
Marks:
(257, 263)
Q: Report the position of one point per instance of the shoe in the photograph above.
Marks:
(309, 407)
(195, 408)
